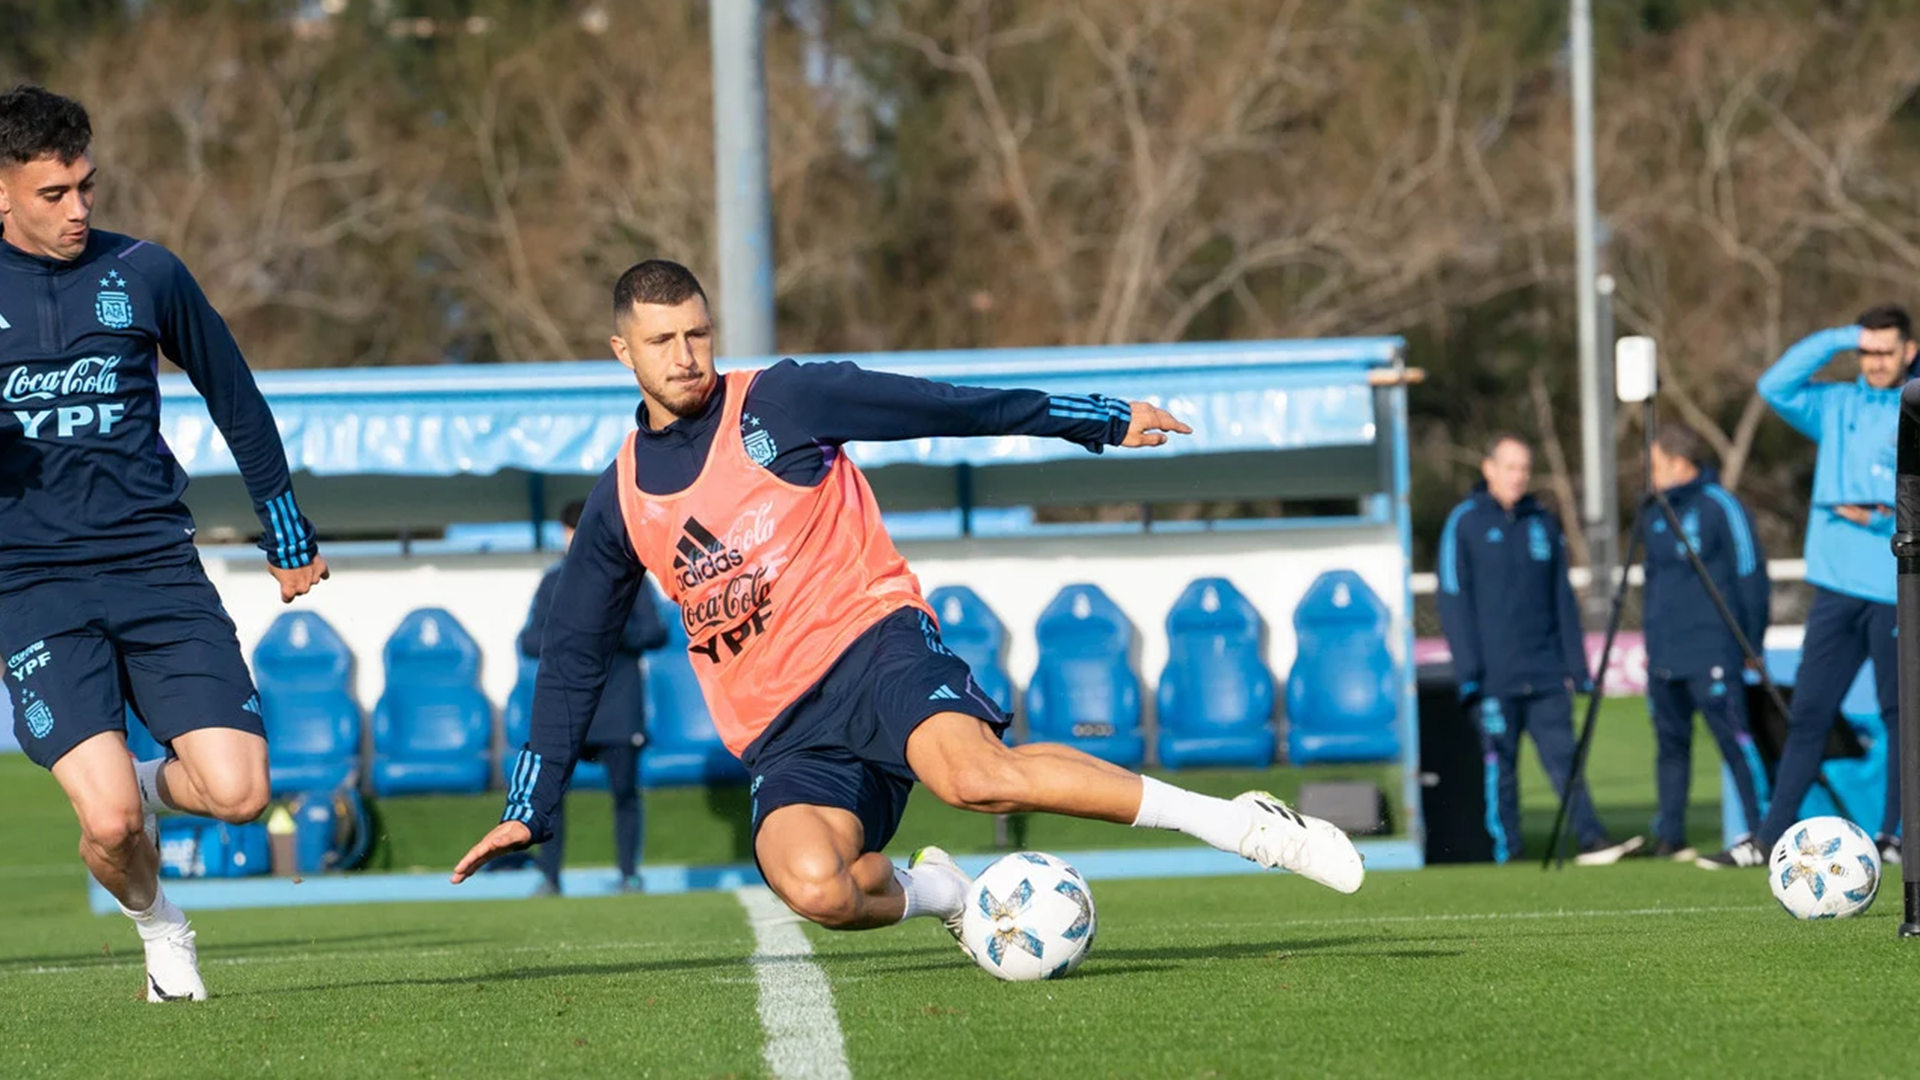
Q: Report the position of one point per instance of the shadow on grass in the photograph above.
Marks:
(126, 947)
(1126, 961)
(536, 972)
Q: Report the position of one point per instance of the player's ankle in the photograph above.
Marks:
(159, 919)
(931, 891)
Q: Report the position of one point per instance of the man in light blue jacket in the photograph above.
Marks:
(1849, 555)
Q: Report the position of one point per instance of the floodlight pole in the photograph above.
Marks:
(742, 193)
(1596, 422)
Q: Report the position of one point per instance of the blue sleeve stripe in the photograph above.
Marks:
(291, 536)
(1077, 414)
(279, 533)
(526, 772)
(1737, 525)
(1449, 551)
(1093, 405)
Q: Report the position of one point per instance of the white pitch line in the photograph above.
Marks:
(796, 1003)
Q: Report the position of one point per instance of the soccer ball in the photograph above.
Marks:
(1029, 916)
(1824, 868)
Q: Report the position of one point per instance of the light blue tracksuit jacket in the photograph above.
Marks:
(1855, 426)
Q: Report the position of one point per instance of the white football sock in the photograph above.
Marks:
(1219, 822)
(159, 920)
(931, 891)
(148, 775)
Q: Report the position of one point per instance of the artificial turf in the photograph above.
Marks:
(1645, 969)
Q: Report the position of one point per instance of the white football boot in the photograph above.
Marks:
(1280, 836)
(173, 968)
(937, 858)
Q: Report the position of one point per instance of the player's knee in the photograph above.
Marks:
(238, 800)
(821, 893)
(111, 830)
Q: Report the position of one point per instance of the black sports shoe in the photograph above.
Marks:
(1667, 849)
(1889, 849)
(1744, 853)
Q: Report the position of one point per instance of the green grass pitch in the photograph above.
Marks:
(1646, 969)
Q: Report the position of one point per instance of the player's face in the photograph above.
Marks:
(670, 350)
(1508, 470)
(46, 205)
(1669, 471)
(1885, 357)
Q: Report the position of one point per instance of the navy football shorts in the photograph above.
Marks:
(844, 743)
(80, 650)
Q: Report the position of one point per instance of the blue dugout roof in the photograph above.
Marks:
(568, 418)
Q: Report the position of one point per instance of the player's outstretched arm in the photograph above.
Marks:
(796, 405)
(1150, 425)
(501, 839)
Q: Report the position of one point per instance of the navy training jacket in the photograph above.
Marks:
(1506, 606)
(1685, 634)
(85, 478)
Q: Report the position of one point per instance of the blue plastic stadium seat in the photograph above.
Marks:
(517, 726)
(1216, 694)
(682, 746)
(971, 629)
(432, 727)
(304, 672)
(1084, 692)
(1341, 699)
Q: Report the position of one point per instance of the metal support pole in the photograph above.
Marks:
(1596, 429)
(1906, 552)
(742, 196)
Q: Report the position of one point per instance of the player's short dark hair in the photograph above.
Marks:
(656, 281)
(570, 513)
(36, 123)
(1681, 441)
(1501, 438)
(1887, 317)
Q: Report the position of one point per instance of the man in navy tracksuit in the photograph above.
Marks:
(1694, 662)
(618, 728)
(103, 602)
(1518, 655)
(1849, 555)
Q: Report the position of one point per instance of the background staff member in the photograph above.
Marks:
(1514, 629)
(1693, 661)
(1849, 555)
(619, 722)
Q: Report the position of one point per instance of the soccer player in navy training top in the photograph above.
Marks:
(818, 658)
(103, 602)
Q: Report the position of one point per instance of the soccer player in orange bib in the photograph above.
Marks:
(818, 658)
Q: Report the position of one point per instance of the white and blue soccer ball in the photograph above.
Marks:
(1824, 868)
(1029, 916)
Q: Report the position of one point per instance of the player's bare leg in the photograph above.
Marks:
(811, 858)
(216, 772)
(960, 760)
(97, 776)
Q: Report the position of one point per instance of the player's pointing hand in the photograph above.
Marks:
(504, 837)
(1150, 425)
